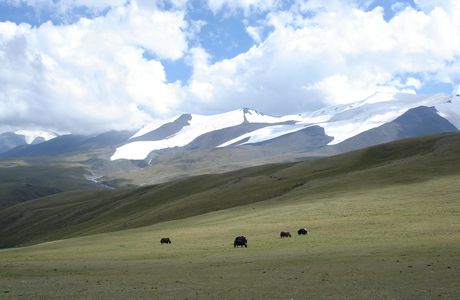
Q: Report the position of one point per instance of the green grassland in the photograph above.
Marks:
(27, 178)
(384, 224)
(175, 165)
(22, 180)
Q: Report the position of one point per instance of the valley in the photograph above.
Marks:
(218, 149)
(368, 244)
(383, 223)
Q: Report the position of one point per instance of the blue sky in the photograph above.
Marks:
(223, 35)
(157, 58)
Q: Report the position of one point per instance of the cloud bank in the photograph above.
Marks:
(92, 74)
(341, 54)
(108, 71)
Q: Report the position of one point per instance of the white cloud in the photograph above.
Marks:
(339, 89)
(90, 75)
(247, 6)
(93, 74)
(255, 33)
(428, 5)
(413, 82)
(339, 55)
(64, 8)
(399, 6)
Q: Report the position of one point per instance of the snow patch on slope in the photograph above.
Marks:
(450, 110)
(340, 122)
(152, 126)
(344, 129)
(264, 134)
(345, 121)
(198, 125)
(366, 114)
(31, 135)
(253, 116)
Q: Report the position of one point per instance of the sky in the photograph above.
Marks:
(87, 66)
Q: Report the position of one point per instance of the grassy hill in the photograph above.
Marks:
(22, 180)
(81, 213)
(26, 178)
(383, 225)
(173, 165)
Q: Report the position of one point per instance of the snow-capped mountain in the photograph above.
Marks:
(387, 116)
(72, 143)
(36, 136)
(187, 128)
(12, 139)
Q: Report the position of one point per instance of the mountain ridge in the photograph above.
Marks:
(244, 127)
(195, 144)
(12, 139)
(251, 127)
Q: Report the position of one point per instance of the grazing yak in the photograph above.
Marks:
(285, 234)
(240, 241)
(165, 241)
(302, 231)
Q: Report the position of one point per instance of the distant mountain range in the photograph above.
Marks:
(381, 118)
(10, 140)
(68, 144)
(193, 144)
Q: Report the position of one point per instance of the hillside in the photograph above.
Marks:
(383, 224)
(64, 163)
(81, 213)
(23, 180)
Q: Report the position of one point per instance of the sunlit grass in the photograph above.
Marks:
(399, 241)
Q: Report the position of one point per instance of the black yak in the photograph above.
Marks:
(302, 231)
(240, 241)
(284, 234)
(165, 241)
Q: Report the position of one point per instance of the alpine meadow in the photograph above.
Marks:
(183, 149)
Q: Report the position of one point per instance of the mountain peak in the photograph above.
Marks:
(248, 110)
(184, 118)
(32, 136)
(248, 126)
